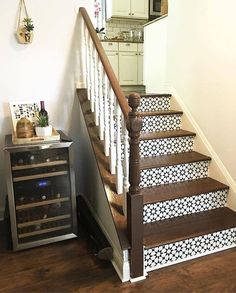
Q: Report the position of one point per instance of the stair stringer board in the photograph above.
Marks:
(95, 195)
(217, 170)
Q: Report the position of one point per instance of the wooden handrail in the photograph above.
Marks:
(106, 64)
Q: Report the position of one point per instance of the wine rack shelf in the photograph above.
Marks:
(47, 220)
(41, 203)
(41, 192)
(23, 235)
(31, 177)
(41, 165)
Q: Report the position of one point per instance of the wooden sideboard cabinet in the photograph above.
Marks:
(41, 192)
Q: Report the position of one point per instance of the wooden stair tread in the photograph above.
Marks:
(190, 226)
(181, 189)
(166, 134)
(158, 113)
(148, 95)
(174, 159)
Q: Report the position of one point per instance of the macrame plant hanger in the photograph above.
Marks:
(24, 34)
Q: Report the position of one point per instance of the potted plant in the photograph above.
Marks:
(29, 27)
(100, 33)
(42, 128)
(25, 31)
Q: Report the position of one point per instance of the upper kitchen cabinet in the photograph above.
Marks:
(127, 9)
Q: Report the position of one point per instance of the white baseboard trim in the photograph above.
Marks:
(217, 169)
(120, 259)
(80, 85)
(134, 280)
(2, 214)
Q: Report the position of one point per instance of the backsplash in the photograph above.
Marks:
(115, 26)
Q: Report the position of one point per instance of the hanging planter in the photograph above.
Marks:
(25, 26)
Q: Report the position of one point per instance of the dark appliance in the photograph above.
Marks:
(157, 8)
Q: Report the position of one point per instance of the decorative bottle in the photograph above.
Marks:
(42, 111)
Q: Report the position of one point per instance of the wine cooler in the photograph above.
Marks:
(41, 192)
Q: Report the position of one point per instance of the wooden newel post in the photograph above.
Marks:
(134, 195)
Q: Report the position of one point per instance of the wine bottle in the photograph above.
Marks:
(42, 111)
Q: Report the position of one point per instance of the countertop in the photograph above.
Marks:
(121, 41)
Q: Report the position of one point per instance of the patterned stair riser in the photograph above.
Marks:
(161, 123)
(180, 251)
(152, 104)
(184, 206)
(166, 146)
(160, 147)
(172, 174)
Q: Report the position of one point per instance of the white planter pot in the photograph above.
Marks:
(43, 131)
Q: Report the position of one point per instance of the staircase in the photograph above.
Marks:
(184, 213)
(175, 212)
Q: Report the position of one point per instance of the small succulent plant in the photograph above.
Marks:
(100, 31)
(28, 24)
(41, 120)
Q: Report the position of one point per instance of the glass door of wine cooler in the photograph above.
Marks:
(41, 194)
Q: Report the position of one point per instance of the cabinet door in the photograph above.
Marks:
(139, 9)
(128, 68)
(113, 58)
(140, 68)
(121, 8)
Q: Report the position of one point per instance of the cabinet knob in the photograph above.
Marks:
(109, 44)
(117, 53)
(130, 14)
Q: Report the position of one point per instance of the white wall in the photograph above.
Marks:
(197, 57)
(43, 70)
(202, 68)
(155, 56)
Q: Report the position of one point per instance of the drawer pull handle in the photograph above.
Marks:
(128, 44)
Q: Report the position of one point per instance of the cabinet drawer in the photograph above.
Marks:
(140, 47)
(110, 46)
(128, 47)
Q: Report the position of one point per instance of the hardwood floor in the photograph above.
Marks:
(70, 266)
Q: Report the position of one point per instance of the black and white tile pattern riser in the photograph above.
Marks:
(150, 104)
(166, 146)
(161, 123)
(184, 206)
(180, 251)
(172, 174)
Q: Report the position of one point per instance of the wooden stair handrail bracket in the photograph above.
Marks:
(134, 195)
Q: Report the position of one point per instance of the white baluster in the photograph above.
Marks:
(81, 75)
(125, 162)
(112, 133)
(119, 171)
(95, 82)
(91, 48)
(88, 75)
(106, 115)
(126, 156)
(101, 101)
